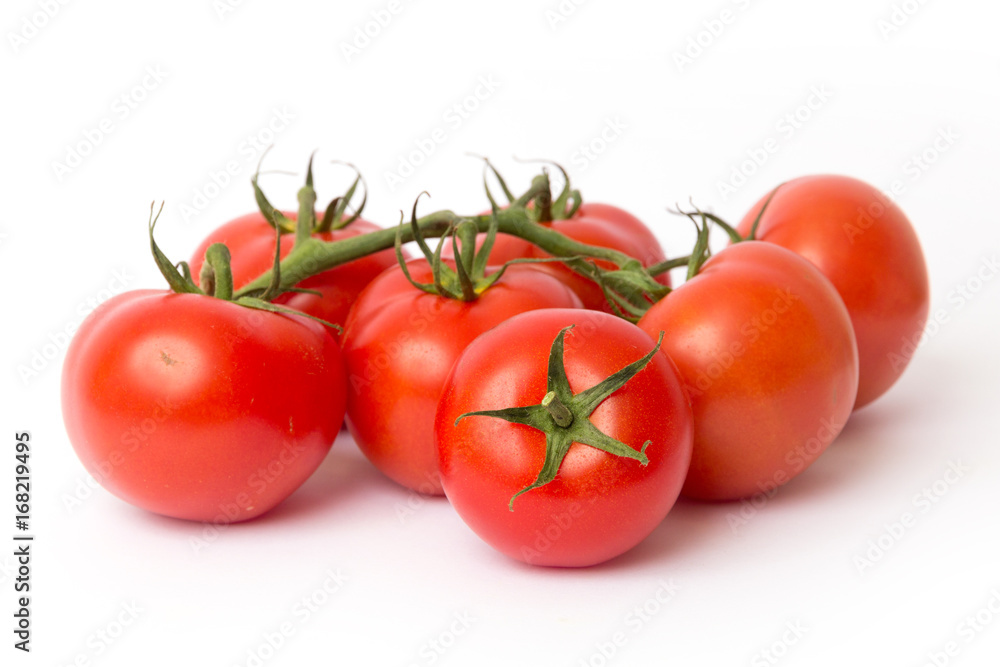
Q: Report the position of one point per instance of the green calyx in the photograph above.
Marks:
(629, 289)
(564, 418)
(701, 251)
(335, 216)
(544, 208)
(216, 278)
(468, 280)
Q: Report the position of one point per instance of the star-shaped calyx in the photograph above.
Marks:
(564, 418)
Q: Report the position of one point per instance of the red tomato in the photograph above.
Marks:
(599, 505)
(594, 224)
(868, 249)
(400, 343)
(251, 242)
(766, 349)
(197, 408)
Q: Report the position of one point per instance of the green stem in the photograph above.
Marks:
(543, 200)
(313, 256)
(663, 267)
(219, 277)
(560, 414)
(734, 236)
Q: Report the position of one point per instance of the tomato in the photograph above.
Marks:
(599, 504)
(766, 349)
(866, 246)
(400, 343)
(593, 224)
(251, 242)
(198, 408)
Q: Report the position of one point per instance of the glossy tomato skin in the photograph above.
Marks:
(251, 241)
(867, 247)
(766, 349)
(399, 345)
(593, 224)
(196, 408)
(599, 505)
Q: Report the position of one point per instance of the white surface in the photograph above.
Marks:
(684, 131)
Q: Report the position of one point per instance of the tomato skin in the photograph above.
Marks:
(767, 352)
(196, 408)
(251, 241)
(593, 224)
(867, 247)
(400, 343)
(599, 505)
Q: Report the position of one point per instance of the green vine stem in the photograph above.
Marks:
(312, 256)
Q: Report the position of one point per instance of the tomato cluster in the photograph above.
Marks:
(535, 367)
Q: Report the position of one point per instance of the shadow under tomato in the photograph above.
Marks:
(344, 475)
(691, 527)
(858, 455)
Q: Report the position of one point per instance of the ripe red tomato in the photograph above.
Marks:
(400, 343)
(867, 247)
(599, 505)
(251, 242)
(766, 349)
(198, 408)
(594, 224)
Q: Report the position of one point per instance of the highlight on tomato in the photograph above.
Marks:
(863, 242)
(564, 436)
(767, 352)
(193, 405)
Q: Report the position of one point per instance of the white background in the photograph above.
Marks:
(207, 598)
